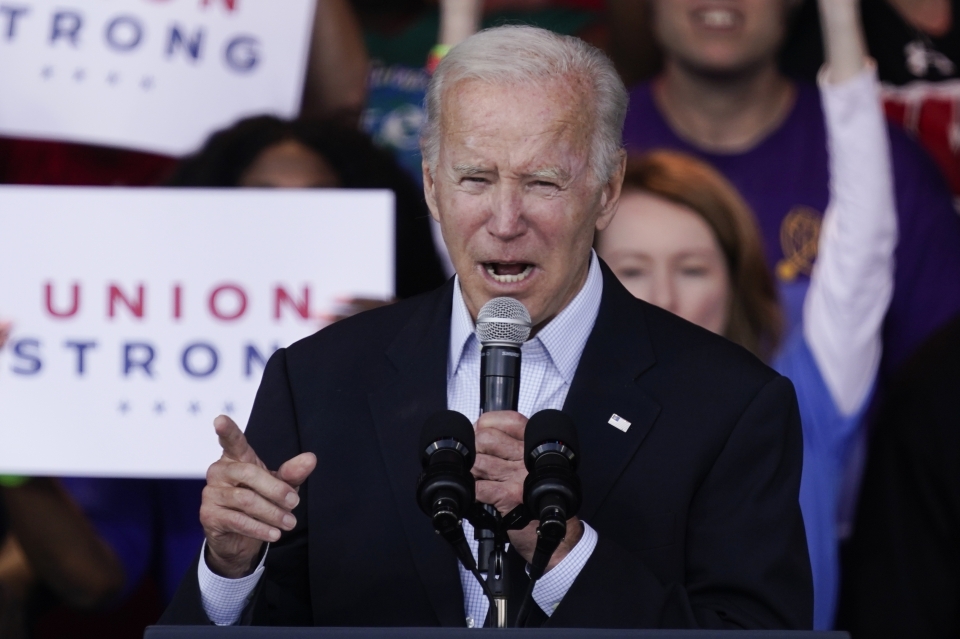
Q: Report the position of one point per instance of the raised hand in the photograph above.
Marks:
(245, 504)
(500, 472)
(845, 49)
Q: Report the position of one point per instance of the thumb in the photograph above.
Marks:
(296, 470)
(233, 442)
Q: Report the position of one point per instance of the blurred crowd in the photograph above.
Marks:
(793, 171)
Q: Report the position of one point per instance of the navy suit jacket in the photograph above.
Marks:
(696, 505)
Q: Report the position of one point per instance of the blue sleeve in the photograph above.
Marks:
(828, 438)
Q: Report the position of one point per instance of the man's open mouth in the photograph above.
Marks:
(508, 273)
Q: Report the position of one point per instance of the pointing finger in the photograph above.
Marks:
(233, 442)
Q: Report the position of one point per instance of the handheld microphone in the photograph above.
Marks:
(446, 489)
(552, 489)
(503, 325)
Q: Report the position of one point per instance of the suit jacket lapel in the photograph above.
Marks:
(411, 385)
(616, 354)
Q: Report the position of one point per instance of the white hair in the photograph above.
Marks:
(528, 55)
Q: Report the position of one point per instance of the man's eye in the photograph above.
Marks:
(475, 180)
(694, 271)
(631, 273)
(544, 184)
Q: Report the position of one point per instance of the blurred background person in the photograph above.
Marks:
(916, 44)
(684, 239)
(267, 152)
(903, 564)
(722, 98)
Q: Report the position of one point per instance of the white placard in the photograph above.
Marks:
(141, 314)
(153, 75)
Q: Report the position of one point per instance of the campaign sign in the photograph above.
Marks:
(153, 75)
(142, 314)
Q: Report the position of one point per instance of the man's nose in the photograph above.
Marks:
(506, 219)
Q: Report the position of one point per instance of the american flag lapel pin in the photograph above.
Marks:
(618, 422)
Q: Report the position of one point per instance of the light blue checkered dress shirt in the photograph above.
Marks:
(548, 365)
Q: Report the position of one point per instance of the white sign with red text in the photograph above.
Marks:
(152, 75)
(141, 314)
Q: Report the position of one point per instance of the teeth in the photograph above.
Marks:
(717, 18)
(509, 279)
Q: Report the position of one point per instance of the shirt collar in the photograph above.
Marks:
(563, 338)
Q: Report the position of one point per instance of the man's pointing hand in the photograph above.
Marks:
(245, 504)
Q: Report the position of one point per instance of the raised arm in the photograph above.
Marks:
(459, 19)
(62, 547)
(845, 49)
(852, 282)
(336, 83)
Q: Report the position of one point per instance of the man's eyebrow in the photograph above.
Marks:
(469, 169)
(551, 173)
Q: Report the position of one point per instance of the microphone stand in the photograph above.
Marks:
(490, 530)
(500, 358)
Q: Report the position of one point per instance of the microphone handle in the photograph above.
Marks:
(499, 377)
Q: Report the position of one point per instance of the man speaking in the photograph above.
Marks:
(690, 448)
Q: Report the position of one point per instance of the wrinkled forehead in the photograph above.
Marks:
(552, 110)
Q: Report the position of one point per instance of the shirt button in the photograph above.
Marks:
(469, 622)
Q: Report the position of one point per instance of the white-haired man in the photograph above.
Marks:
(690, 514)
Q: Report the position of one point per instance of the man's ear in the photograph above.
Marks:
(610, 196)
(430, 191)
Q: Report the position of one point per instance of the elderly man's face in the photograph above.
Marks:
(721, 36)
(515, 193)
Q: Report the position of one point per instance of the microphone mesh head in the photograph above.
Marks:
(503, 319)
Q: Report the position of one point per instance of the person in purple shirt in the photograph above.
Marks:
(722, 98)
